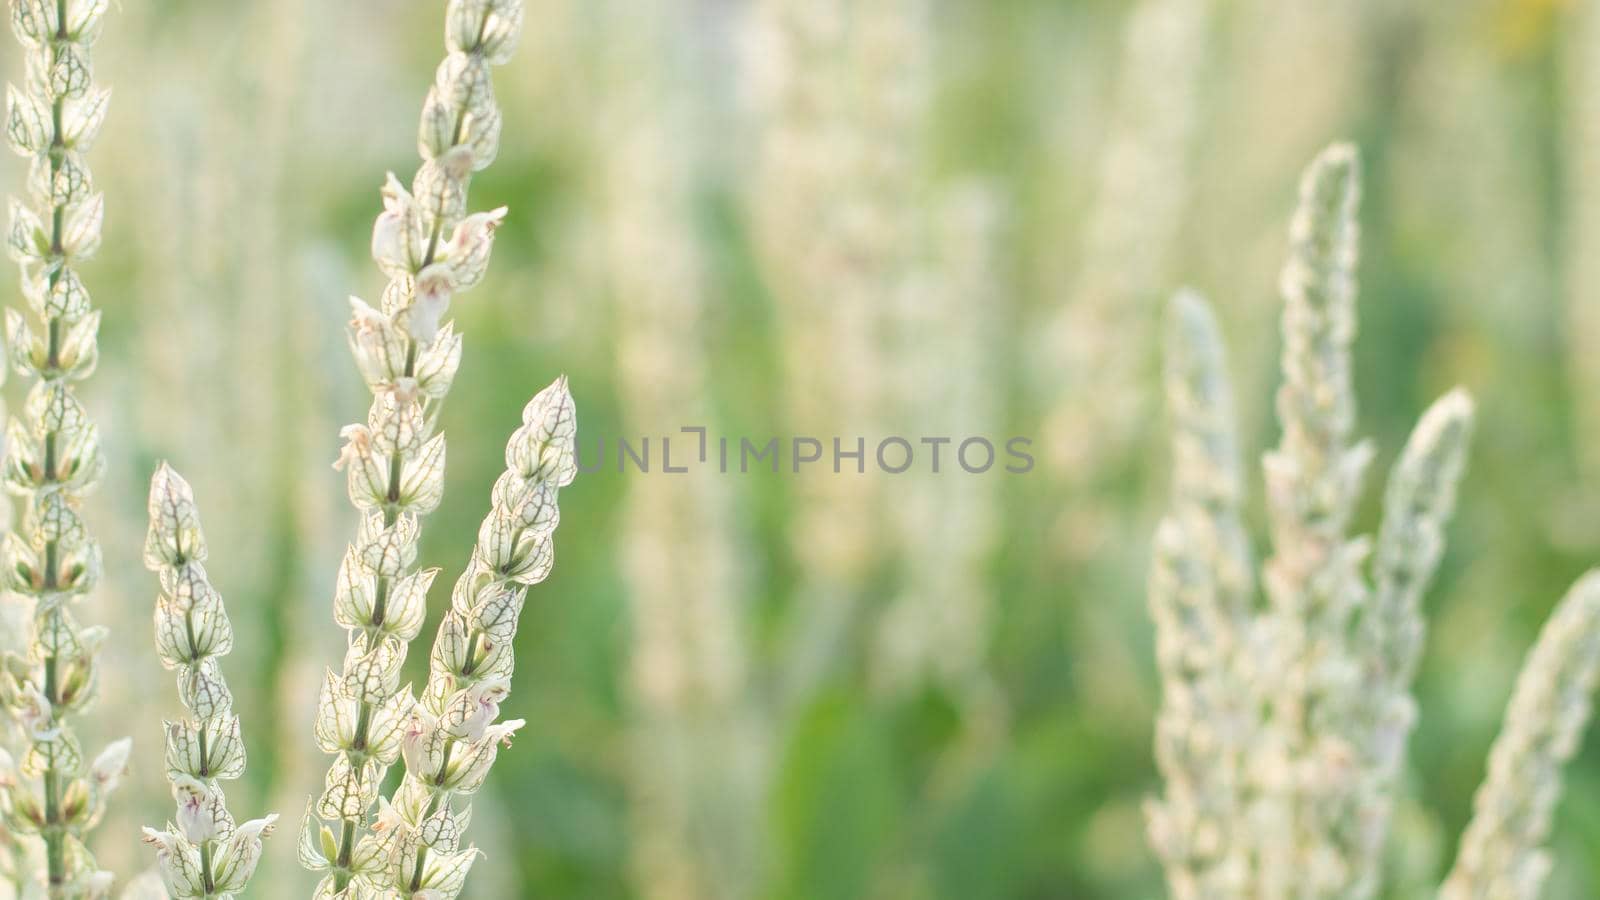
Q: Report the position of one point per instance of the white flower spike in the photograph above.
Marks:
(1239, 676)
(430, 249)
(52, 450)
(452, 736)
(203, 854)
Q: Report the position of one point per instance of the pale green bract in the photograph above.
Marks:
(430, 248)
(205, 854)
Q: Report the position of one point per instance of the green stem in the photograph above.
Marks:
(206, 879)
(363, 724)
(205, 755)
(54, 831)
(347, 841)
(55, 849)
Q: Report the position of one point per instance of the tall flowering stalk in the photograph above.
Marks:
(834, 212)
(430, 249)
(205, 854)
(53, 449)
(1095, 370)
(1313, 580)
(1201, 598)
(935, 627)
(1502, 857)
(698, 760)
(1283, 724)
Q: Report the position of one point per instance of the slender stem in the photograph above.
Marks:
(363, 725)
(206, 878)
(205, 755)
(347, 841)
(55, 850)
(472, 653)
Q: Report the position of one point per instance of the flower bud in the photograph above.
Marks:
(372, 669)
(547, 446)
(422, 478)
(469, 247)
(349, 790)
(223, 756)
(174, 536)
(408, 604)
(396, 427)
(450, 645)
(399, 235)
(463, 84)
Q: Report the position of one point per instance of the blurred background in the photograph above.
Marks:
(839, 219)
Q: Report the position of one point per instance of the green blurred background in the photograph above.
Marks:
(644, 257)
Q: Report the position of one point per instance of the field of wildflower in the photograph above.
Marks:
(1039, 450)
